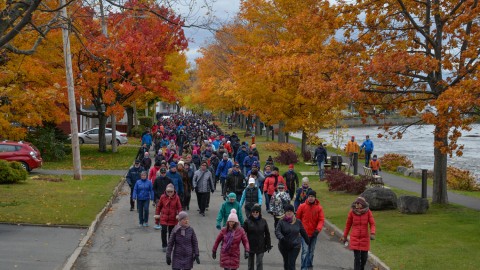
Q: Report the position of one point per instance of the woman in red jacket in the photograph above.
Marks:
(167, 210)
(358, 220)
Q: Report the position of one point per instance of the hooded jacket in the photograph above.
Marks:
(225, 211)
(168, 208)
(359, 236)
(160, 185)
(143, 190)
(230, 258)
(258, 234)
(312, 216)
(235, 183)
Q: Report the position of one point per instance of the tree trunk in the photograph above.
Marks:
(281, 134)
(304, 143)
(102, 122)
(267, 132)
(129, 111)
(440, 195)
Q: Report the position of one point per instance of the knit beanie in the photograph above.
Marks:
(289, 207)
(170, 187)
(305, 180)
(312, 193)
(233, 216)
(256, 207)
(232, 195)
(182, 215)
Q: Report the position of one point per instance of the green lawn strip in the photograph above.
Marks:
(69, 202)
(444, 238)
(92, 159)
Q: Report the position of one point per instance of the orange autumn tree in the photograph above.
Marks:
(420, 58)
(133, 62)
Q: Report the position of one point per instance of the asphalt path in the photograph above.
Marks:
(36, 247)
(119, 243)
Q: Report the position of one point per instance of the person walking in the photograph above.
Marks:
(251, 196)
(248, 161)
(235, 182)
(132, 176)
(368, 146)
(167, 209)
(182, 247)
(187, 185)
(270, 185)
(222, 171)
(143, 194)
(176, 179)
(358, 220)
(301, 194)
(278, 202)
(321, 157)
(203, 184)
(240, 157)
(290, 233)
(159, 187)
(231, 236)
(258, 234)
(352, 148)
(146, 161)
(291, 178)
(375, 165)
(312, 217)
(226, 208)
(147, 139)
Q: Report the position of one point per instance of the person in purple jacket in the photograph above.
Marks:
(182, 247)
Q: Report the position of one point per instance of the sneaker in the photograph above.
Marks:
(131, 209)
(145, 224)
(164, 249)
(157, 227)
(140, 225)
(203, 214)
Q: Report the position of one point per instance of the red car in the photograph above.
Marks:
(25, 153)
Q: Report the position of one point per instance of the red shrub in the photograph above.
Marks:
(287, 157)
(340, 181)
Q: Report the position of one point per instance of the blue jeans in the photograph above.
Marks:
(308, 252)
(142, 206)
(368, 156)
(267, 201)
(321, 169)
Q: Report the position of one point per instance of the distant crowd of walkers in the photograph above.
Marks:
(193, 155)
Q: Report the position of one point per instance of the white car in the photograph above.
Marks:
(91, 136)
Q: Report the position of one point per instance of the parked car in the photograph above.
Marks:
(91, 136)
(26, 153)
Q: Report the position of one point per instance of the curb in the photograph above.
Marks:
(371, 257)
(93, 227)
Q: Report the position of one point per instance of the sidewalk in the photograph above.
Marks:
(119, 243)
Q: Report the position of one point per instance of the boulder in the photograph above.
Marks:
(380, 198)
(417, 173)
(408, 172)
(401, 169)
(412, 205)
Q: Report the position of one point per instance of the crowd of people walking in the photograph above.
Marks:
(193, 156)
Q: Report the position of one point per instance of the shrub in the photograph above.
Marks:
(287, 157)
(50, 141)
(391, 161)
(459, 179)
(137, 131)
(277, 147)
(340, 181)
(145, 121)
(11, 172)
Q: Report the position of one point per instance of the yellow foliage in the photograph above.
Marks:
(278, 147)
(459, 179)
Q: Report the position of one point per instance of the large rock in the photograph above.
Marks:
(401, 169)
(380, 198)
(412, 205)
(408, 172)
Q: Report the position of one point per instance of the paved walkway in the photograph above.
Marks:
(119, 243)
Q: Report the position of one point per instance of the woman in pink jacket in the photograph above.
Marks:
(358, 220)
(231, 236)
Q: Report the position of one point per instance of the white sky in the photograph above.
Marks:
(224, 10)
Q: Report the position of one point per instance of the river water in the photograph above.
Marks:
(417, 145)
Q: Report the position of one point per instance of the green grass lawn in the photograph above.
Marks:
(92, 159)
(69, 202)
(444, 238)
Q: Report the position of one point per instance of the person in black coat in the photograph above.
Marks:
(132, 176)
(290, 232)
(258, 235)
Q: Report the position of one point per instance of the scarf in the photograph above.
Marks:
(228, 240)
(359, 211)
(182, 229)
(290, 220)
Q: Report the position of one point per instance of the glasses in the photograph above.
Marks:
(280, 188)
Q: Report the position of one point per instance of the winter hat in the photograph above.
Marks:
(173, 165)
(288, 207)
(312, 193)
(255, 164)
(137, 161)
(233, 216)
(361, 201)
(182, 215)
(256, 207)
(305, 180)
(170, 187)
(181, 163)
(251, 181)
(225, 155)
(290, 166)
(232, 195)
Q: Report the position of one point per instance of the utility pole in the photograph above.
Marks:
(77, 166)
(109, 76)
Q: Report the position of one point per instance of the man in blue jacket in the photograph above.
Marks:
(143, 194)
(176, 179)
(222, 171)
(132, 176)
(240, 157)
(368, 146)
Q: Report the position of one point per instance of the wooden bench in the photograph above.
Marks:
(375, 180)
